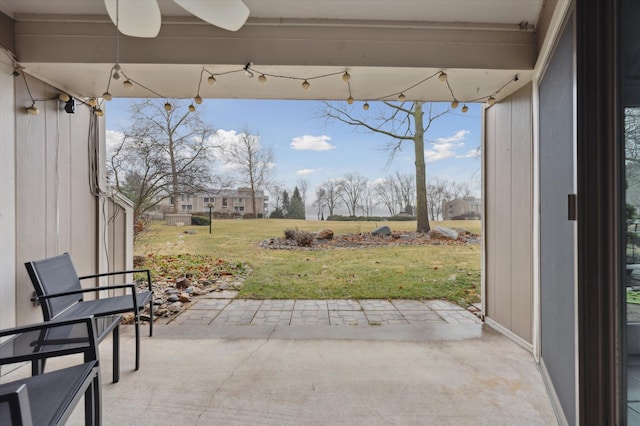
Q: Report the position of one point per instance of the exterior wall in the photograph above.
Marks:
(459, 207)
(7, 195)
(508, 157)
(237, 201)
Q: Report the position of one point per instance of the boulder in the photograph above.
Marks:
(382, 231)
(184, 297)
(442, 233)
(325, 234)
(183, 282)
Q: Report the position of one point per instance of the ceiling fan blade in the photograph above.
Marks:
(227, 14)
(135, 18)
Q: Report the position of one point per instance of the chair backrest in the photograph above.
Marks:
(54, 275)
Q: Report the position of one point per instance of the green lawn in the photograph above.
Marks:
(449, 272)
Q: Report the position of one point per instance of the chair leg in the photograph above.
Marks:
(151, 318)
(137, 327)
(116, 354)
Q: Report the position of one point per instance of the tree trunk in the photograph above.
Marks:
(421, 177)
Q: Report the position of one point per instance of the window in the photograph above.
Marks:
(224, 203)
(187, 207)
(208, 200)
(239, 208)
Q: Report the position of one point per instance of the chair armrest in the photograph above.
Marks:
(132, 271)
(19, 407)
(26, 342)
(84, 290)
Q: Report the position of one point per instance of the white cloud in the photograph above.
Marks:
(446, 147)
(113, 138)
(306, 172)
(312, 143)
(474, 153)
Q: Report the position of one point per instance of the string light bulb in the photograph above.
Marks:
(198, 99)
(262, 79)
(64, 97)
(211, 80)
(92, 102)
(306, 85)
(33, 109)
(401, 97)
(465, 108)
(454, 104)
(128, 84)
(350, 100)
(107, 96)
(167, 106)
(442, 76)
(192, 108)
(491, 100)
(116, 75)
(99, 112)
(346, 77)
(365, 106)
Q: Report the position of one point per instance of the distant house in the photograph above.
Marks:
(234, 202)
(461, 208)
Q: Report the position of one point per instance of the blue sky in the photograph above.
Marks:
(306, 146)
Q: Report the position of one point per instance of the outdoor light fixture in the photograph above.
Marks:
(365, 106)
(107, 96)
(198, 99)
(70, 106)
(442, 76)
(33, 110)
(128, 84)
(454, 104)
(211, 80)
(491, 100)
(167, 106)
(192, 108)
(262, 79)
(401, 97)
(465, 108)
(350, 100)
(306, 85)
(346, 77)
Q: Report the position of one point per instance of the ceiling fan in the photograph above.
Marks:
(141, 18)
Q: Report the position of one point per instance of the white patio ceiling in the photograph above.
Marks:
(387, 46)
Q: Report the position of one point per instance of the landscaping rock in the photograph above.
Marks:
(190, 231)
(184, 297)
(183, 282)
(442, 233)
(158, 301)
(175, 307)
(172, 291)
(325, 234)
(173, 298)
(381, 231)
(189, 289)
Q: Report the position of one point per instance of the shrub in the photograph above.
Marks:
(304, 239)
(290, 234)
(277, 214)
(200, 221)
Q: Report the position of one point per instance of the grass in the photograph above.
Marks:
(450, 272)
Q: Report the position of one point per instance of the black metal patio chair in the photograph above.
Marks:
(50, 398)
(60, 294)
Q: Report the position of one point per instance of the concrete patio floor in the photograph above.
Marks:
(432, 373)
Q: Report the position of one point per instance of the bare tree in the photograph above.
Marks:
(438, 193)
(405, 185)
(401, 123)
(352, 187)
(303, 186)
(332, 194)
(386, 192)
(321, 201)
(253, 161)
(369, 201)
(163, 153)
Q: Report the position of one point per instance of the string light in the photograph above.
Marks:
(64, 97)
(128, 84)
(491, 101)
(401, 97)
(442, 76)
(107, 96)
(365, 106)
(262, 79)
(198, 99)
(92, 102)
(211, 80)
(350, 100)
(346, 77)
(306, 85)
(465, 108)
(192, 108)
(33, 109)
(454, 104)
(167, 106)
(99, 112)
